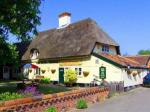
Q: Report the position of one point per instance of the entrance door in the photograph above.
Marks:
(61, 75)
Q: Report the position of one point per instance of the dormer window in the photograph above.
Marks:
(105, 48)
(34, 53)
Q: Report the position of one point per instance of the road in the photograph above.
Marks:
(137, 100)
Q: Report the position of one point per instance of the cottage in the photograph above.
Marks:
(84, 47)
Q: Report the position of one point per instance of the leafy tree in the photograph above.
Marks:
(19, 17)
(8, 54)
(70, 76)
(144, 52)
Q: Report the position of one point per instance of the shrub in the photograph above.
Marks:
(70, 76)
(81, 104)
(20, 76)
(45, 80)
(51, 109)
(10, 96)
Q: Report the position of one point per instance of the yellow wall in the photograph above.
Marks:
(113, 73)
(48, 67)
(90, 65)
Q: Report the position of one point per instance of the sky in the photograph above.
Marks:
(126, 21)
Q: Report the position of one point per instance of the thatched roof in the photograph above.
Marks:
(142, 59)
(78, 39)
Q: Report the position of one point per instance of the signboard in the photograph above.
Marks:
(102, 72)
(70, 63)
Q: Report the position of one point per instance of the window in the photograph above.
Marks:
(37, 71)
(34, 53)
(105, 48)
(78, 71)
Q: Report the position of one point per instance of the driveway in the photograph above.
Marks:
(137, 100)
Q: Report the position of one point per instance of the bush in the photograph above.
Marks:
(20, 76)
(70, 76)
(10, 96)
(45, 80)
(51, 109)
(81, 104)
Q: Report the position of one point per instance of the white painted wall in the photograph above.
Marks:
(130, 80)
(64, 21)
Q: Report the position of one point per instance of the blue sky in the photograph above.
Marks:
(127, 21)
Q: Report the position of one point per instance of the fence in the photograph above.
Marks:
(115, 87)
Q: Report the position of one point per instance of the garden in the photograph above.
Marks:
(10, 90)
(42, 90)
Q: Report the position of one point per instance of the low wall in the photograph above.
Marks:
(61, 101)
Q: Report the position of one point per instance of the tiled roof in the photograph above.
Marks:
(123, 61)
(142, 59)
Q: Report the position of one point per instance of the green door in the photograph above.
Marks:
(61, 75)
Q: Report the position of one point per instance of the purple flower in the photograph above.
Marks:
(30, 91)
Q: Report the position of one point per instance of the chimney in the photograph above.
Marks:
(64, 19)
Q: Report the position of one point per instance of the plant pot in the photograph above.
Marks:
(85, 73)
(53, 70)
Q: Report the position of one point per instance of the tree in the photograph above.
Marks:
(19, 17)
(8, 54)
(144, 52)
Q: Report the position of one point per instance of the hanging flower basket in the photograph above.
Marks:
(139, 71)
(85, 73)
(30, 70)
(129, 72)
(134, 73)
(53, 71)
(43, 71)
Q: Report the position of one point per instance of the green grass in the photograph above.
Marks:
(49, 90)
(11, 89)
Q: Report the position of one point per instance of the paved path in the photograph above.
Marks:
(137, 100)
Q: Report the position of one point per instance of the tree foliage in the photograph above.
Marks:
(8, 54)
(19, 17)
(144, 52)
